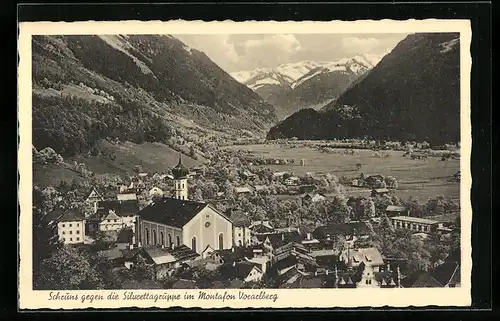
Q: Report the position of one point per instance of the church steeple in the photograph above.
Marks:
(180, 173)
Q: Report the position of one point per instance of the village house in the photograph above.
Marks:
(198, 171)
(126, 197)
(245, 271)
(260, 189)
(393, 210)
(114, 215)
(244, 190)
(373, 181)
(92, 199)
(356, 182)
(352, 258)
(371, 277)
(166, 260)
(71, 227)
(278, 175)
(380, 192)
(349, 231)
(304, 189)
(155, 192)
(292, 181)
(241, 227)
(416, 224)
(246, 174)
(263, 226)
(125, 239)
(446, 275)
(312, 198)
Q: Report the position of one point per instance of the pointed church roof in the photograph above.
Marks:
(180, 171)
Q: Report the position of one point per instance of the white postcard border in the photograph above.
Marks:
(295, 298)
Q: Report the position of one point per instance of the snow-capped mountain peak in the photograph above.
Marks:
(291, 73)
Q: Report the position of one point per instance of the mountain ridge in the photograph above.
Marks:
(293, 86)
(136, 88)
(404, 97)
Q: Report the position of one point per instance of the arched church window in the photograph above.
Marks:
(178, 241)
(154, 237)
(221, 241)
(147, 236)
(162, 239)
(193, 243)
(170, 240)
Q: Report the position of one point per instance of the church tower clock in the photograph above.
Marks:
(180, 173)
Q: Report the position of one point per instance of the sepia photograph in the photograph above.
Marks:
(246, 161)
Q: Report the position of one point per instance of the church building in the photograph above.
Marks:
(175, 221)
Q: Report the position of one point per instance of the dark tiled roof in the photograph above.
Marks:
(285, 263)
(121, 208)
(71, 215)
(443, 273)
(125, 236)
(230, 256)
(387, 278)
(238, 271)
(111, 254)
(171, 211)
(357, 228)
(166, 255)
(238, 217)
(142, 285)
(184, 284)
(420, 279)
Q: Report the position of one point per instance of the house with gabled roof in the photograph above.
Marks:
(245, 271)
(368, 256)
(166, 260)
(113, 215)
(396, 210)
(92, 199)
(241, 227)
(71, 227)
(126, 196)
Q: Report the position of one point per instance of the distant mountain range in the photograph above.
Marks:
(137, 88)
(413, 93)
(294, 86)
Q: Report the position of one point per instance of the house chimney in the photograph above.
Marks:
(309, 236)
(232, 249)
(234, 263)
(326, 271)
(282, 236)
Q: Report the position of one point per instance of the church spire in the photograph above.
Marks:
(180, 171)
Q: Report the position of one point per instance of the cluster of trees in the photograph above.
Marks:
(46, 156)
(73, 125)
(419, 254)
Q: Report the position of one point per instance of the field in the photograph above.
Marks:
(420, 178)
(153, 157)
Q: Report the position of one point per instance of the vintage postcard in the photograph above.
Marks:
(244, 164)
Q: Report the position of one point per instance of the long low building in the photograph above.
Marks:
(416, 224)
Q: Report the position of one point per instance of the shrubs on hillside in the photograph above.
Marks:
(46, 156)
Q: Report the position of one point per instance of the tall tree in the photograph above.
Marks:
(68, 269)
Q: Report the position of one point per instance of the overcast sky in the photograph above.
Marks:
(245, 52)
